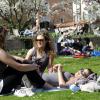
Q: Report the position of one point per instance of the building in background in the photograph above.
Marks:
(60, 11)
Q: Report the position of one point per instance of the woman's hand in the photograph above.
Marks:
(50, 70)
(60, 67)
(36, 67)
(57, 67)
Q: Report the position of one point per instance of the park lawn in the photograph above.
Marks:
(71, 65)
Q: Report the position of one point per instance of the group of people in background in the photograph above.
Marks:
(66, 45)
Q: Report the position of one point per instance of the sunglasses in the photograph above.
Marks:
(40, 40)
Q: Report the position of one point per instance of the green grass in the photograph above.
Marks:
(71, 65)
(74, 64)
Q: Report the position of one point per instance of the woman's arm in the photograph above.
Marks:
(7, 59)
(50, 65)
(18, 58)
(72, 80)
(62, 83)
(61, 80)
(29, 54)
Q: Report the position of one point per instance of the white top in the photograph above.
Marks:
(60, 38)
(27, 32)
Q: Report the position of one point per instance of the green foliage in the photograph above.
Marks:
(74, 64)
(25, 38)
(20, 53)
(90, 35)
(54, 35)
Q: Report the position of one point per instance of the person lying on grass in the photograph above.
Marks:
(64, 79)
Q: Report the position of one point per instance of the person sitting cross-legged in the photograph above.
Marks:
(12, 70)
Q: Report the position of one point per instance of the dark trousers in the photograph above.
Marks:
(58, 48)
(12, 78)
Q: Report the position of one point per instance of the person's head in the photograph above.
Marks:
(79, 39)
(83, 72)
(43, 41)
(87, 40)
(2, 37)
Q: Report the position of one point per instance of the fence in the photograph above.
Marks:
(27, 44)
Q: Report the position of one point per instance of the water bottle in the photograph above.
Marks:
(74, 88)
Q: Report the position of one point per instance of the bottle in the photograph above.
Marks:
(74, 88)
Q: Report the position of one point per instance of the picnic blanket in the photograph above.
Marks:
(49, 90)
(95, 53)
(80, 55)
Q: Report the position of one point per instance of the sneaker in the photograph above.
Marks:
(20, 93)
(24, 92)
(29, 92)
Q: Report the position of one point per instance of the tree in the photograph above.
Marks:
(92, 7)
(20, 13)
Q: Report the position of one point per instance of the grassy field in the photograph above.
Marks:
(71, 65)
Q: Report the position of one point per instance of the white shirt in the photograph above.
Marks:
(27, 32)
(60, 38)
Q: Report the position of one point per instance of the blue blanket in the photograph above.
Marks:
(48, 90)
(95, 53)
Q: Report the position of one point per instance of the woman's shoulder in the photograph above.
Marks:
(1, 51)
(30, 53)
(67, 75)
(31, 50)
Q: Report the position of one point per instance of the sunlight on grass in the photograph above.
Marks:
(71, 65)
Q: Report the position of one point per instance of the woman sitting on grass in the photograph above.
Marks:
(42, 52)
(65, 79)
(12, 71)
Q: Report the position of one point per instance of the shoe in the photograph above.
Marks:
(24, 92)
(20, 93)
(29, 92)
